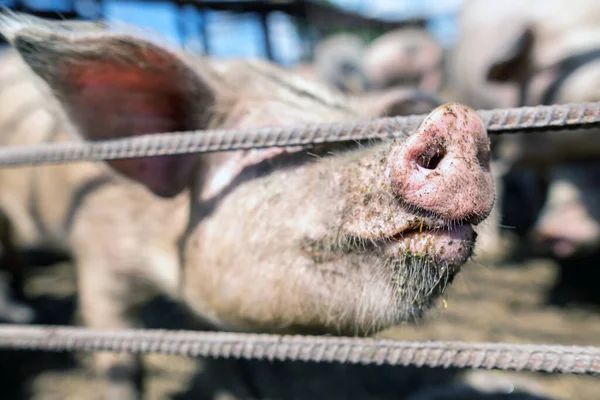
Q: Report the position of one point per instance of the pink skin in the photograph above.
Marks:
(439, 201)
(569, 222)
(432, 80)
(441, 174)
(567, 229)
(435, 170)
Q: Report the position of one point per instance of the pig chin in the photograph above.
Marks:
(422, 263)
(411, 269)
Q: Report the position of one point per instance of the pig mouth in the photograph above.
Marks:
(416, 264)
(423, 262)
(448, 246)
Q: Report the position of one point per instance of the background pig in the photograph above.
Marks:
(553, 60)
(485, 29)
(396, 102)
(556, 60)
(570, 221)
(341, 239)
(513, 53)
(338, 61)
(545, 53)
(409, 57)
(491, 31)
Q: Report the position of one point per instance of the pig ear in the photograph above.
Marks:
(397, 102)
(515, 61)
(117, 86)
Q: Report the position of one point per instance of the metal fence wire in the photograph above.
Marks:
(510, 120)
(501, 356)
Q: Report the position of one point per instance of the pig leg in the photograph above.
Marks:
(110, 299)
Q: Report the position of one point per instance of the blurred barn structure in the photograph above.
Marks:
(284, 31)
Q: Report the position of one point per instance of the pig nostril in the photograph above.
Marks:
(430, 160)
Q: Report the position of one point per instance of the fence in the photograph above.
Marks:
(532, 119)
(556, 359)
(312, 19)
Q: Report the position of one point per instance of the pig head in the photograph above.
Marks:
(409, 57)
(338, 61)
(501, 44)
(343, 238)
(553, 60)
(485, 28)
(556, 60)
(396, 101)
(513, 53)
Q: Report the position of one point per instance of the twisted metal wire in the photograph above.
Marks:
(510, 120)
(541, 358)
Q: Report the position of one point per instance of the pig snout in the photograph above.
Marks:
(567, 229)
(444, 169)
(432, 188)
(569, 223)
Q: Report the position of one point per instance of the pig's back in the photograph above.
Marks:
(37, 200)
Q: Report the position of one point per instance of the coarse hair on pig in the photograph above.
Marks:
(342, 238)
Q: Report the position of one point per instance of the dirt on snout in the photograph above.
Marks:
(497, 304)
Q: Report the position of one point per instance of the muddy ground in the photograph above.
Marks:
(505, 303)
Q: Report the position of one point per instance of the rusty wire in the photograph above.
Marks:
(510, 120)
(502, 356)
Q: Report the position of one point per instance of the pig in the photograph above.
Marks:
(555, 59)
(338, 61)
(396, 102)
(346, 239)
(13, 309)
(485, 28)
(347, 64)
(568, 231)
(492, 33)
(509, 54)
(409, 57)
(569, 223)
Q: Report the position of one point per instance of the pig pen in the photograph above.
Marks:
(506, 303)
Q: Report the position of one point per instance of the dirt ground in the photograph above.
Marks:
(504, 303)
